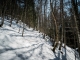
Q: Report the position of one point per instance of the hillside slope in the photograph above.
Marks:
(31, 46)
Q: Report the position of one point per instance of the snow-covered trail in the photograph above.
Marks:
(29, 47)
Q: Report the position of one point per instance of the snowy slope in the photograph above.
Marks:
(30, 47)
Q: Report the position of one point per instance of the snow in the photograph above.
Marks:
(31, 46)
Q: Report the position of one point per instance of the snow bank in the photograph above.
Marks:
(29, 47)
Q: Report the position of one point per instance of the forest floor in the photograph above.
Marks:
(31, 46)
